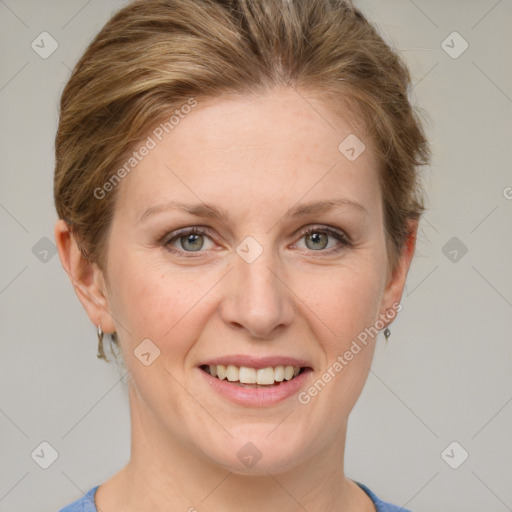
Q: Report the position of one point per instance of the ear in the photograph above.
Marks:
(396, 278)
(86, 277)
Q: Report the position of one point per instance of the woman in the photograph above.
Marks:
(238, 200)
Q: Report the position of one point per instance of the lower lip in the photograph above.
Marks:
(257, 397)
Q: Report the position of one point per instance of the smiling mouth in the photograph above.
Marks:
(247, 377)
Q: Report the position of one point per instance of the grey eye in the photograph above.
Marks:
(192, 242)
(316, 240)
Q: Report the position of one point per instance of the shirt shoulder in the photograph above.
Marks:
(84, 504)
(381, 506)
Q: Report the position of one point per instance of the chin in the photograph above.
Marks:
(258, 450)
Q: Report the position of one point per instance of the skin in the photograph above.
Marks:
(256, 157)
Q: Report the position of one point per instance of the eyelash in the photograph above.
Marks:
(341, 237)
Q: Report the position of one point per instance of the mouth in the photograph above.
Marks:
(249, 377)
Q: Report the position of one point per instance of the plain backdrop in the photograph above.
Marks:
(439, 391)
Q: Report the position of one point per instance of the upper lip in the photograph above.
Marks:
(257, 362)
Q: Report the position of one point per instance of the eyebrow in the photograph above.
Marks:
(215, 212)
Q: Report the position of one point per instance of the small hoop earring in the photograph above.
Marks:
(101, 353)
(387, 334)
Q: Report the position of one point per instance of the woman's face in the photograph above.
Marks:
(251, 174)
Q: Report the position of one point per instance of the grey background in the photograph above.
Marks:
(446, 373)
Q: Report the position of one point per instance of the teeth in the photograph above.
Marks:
(264, 376)
(221, 371)
(288, 372)
(232, 372)
(246, 375)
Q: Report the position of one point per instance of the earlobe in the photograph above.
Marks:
(396, 281)
(86, 277)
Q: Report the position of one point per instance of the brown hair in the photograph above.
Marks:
(153, 56)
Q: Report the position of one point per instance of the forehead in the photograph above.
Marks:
(265, 150)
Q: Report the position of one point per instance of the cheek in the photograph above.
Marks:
(344, 314)
(344, 300)
(154, 302)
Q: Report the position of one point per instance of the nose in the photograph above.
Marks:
(257, 298)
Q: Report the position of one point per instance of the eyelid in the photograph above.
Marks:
(326, 229)
(199, 230)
